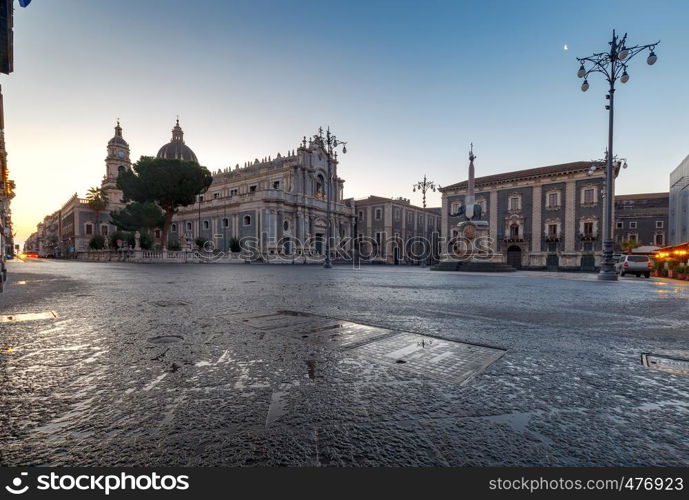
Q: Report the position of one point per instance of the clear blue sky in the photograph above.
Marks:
(408, 84)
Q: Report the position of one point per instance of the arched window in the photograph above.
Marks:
(188, 226)
(206, 224)
(173, 228)
(247, 220)
(226, 222)
(121, 169)
(514, 230)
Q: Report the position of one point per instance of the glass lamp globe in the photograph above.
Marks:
(582, 72)
(652, 58)
(585, 86)
(622, 55)
(625, 77)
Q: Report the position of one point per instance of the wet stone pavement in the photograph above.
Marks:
(296, 365)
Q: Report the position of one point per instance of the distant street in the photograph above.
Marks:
(175, 365)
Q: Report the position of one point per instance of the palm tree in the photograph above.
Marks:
(98, 201)
(629, 245)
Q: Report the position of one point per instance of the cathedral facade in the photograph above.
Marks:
(279, 203)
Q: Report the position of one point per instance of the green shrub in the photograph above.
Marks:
(200, 241)
(174, 245)
(97, 242)
(146, 240)
(117, 235)
(234, 245)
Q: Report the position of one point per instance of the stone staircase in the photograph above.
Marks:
(473, 266)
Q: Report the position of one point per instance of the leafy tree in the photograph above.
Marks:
(168, 183)
(174, 245)
(136, 216)
(200, 241)
(97, 199)
(97, 242)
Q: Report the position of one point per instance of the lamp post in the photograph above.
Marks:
(329, 143)
(613, 65)
(617, 163)
(424, 186)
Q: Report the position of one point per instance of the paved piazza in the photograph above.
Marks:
(218, 364)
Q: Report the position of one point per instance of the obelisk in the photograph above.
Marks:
(470, 200)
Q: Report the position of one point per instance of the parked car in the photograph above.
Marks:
(634, 264)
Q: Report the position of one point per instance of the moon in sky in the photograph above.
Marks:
(565, 47)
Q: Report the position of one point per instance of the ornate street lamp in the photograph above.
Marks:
(613, 65)
(329, 143)
(424, 186)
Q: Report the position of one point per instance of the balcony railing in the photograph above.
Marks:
(515, 238)
(552, 237)
(588, 236)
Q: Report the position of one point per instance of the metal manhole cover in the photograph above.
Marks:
(347, 335)
(427, 356)
(432, 357)
(677, 366)
(12, 318)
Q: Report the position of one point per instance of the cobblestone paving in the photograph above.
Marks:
(155, 365)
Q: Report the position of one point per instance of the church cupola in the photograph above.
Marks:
(176, 149)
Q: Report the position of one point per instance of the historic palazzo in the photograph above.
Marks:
(539, 218)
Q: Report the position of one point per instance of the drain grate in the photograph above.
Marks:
(427, 356)
(14, 318)
(677, 366)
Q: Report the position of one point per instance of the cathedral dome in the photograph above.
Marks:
(176, 149)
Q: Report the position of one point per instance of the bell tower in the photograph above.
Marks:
(116, 162)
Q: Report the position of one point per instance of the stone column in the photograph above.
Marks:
(536, 223)
(570, 216)
(444, 229)
(493, 216)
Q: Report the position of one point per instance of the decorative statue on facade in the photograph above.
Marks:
(137, 240)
